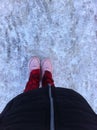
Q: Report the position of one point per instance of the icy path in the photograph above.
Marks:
(64, 30)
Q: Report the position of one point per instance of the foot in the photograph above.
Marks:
(47, 73)
(46, 66)
(34, 64)
(34, 78)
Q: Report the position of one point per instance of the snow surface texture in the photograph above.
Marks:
(63, 30)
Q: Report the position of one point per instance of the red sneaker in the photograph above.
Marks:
(47, 73)
(34, 70)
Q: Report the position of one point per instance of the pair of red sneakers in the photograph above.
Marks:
(36, 69)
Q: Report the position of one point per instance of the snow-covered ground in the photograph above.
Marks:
(64, 30)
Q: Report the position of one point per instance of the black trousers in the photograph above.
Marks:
(33, 110)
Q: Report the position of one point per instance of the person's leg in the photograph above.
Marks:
(34, 78)
(47, 73)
